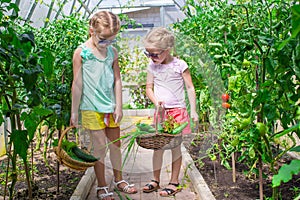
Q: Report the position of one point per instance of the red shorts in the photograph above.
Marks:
(180, 115)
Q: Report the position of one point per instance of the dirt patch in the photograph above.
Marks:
(220, 180)
(45, 179)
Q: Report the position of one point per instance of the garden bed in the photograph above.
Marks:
(45, 180)
(220, 180)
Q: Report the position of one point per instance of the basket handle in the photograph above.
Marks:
(159, 110)
(61, 138)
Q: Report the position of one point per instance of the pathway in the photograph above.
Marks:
(138, 171)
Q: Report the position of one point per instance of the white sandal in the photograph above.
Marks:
(125, 189)
(104, 195)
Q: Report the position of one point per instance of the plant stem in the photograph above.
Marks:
(261, 193)
(28, 179)
(57, 168)
(7, 170)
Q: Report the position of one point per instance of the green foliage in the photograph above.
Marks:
(61, 37)
(254, 46)
(35, 76)
(139, 98)
(20, 74)
(296, 149)
(20, 137)
(286, 172)
(132, 61)
(145, 127)
(133, 64)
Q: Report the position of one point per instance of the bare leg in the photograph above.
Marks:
(116, 157)
(157, 161)
(176, 165)
(115, 152)
(98, 139)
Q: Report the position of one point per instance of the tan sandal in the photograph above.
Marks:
(126, 188)
(104, 195)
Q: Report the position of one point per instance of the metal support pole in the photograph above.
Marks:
(162, 16)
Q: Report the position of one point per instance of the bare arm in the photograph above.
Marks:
(118, 114)
(149, 89)
(191, 93)
(76, 86)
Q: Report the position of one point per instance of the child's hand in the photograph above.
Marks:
(194, 116)
(118, 115)
(74, 119)
(159, 106)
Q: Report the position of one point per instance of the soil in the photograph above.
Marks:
(47, 184)
(218, 178)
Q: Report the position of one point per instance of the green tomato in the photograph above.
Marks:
(246, 63)
(245, 122)
(261, 127)
(223, 135)
(235, 142)
(251, 153)
(213, 157)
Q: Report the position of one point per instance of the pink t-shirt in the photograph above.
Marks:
(168, 82)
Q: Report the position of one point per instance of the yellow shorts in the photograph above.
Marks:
(95, 121)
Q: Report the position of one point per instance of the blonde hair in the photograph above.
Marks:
(105, 19)
(159, 37)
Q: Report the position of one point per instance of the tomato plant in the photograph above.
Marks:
(259, 47)
(35, 77)
(22, 66)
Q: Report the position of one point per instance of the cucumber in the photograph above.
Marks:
(82, 155)
(151, 130)
(66, 145)
(179, 128)
(76, 158)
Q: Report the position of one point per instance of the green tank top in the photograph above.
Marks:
(98, 81)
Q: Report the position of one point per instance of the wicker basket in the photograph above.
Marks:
(157, 140)
(65, 159)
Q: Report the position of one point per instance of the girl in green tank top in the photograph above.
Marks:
(97, 97)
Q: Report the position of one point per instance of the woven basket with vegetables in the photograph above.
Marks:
(165, 135)
(69, 154)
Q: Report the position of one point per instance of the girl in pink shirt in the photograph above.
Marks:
(167, 79)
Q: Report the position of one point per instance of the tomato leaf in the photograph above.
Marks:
(286, 172)
(296, 149)
(19, 139)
